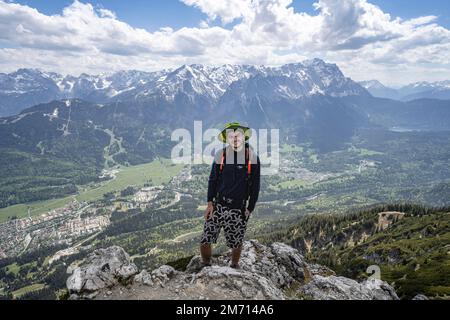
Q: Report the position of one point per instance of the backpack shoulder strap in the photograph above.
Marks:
(248, 164)
(248, 160)
(222, 161)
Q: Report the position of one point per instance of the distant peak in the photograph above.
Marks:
(29, 71)
(372, 84)
(315, 61)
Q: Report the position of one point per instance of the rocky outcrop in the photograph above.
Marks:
(340, 288)
(274, 272)
(104, 268)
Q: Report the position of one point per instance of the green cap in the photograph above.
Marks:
(234, 126)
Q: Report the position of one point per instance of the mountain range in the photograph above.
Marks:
(302, 98)
(128, 117)
(309, 100)
(200, 84)
(413, 91)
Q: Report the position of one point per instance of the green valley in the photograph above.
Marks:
(154, 211)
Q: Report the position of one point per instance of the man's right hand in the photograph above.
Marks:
(209, 210)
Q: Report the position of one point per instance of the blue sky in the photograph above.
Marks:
(153, 14)
(148, 14)
(363, 37)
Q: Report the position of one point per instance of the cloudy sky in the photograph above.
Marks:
(396, 42)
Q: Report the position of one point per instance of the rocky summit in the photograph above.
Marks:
(274, 272)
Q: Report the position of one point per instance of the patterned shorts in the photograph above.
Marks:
(233, 222)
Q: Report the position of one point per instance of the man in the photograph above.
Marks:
(233, 190)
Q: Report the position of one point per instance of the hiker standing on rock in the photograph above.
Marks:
(233, 190)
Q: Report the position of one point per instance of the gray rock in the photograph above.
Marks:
(280, 263)
(194, 265)
(272, 272)
(240, 283)
(143, 278)
(104, 268)
(317, 269)
(380, 290)
(340, 288)
(163, 274)
(421, 297)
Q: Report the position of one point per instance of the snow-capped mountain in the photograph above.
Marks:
(102, 88)
(28, 87)
(197, 84)
(432, 90)
(194, 82)
(414, 91)
(377, 89)
(24, 88)
(311, 102)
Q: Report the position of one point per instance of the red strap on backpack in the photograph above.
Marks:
(222, 161)
(247, 155)
(249, 164)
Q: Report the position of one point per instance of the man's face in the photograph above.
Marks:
(235, 138)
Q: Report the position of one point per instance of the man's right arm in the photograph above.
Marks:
(212, 187)
(212, 182)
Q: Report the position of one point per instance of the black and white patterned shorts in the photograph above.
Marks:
(233, 222)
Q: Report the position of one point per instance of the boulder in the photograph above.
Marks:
(104, 268)
(341, 288)
(230, 283)
(143, 278)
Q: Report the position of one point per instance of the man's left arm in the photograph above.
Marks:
(254, 191)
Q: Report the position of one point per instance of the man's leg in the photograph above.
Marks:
(211, 230)
(235, 256)
(206, 252)
(234, 233)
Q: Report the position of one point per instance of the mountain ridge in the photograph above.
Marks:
(410, 92)
(210, 82)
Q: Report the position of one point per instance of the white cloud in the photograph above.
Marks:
(357, 35)
(227, 11)
(105, 13)
(204, 24)
(82, 28)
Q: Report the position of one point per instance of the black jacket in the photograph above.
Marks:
(232, 181)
